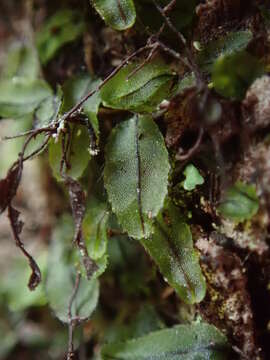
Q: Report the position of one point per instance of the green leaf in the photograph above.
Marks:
(240, 202)
(185, 342)
(171, 247)
(232, 42)
(233, 74)
(21, 61)
(25, 94)
(61, 277)
(193, 177)
(119, 14)
(48, 110)
(63, 27)
(11, 148)
(78, 154)
(75, 89)
(8, 338)
(143, 322)
(136, 174)
(21, 96)
(13, 285)
(95, 233)
(142, 91)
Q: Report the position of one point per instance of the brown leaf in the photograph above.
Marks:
(78, 205)
(16, 226)
(9, 186)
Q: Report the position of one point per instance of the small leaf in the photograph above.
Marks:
(119, 14)
(232, 42)
(240, 202)
(61, 277)
(75, 89)
(136, 174)
(21, 61)
(185, 342)
(21, 96)
(77, 156)
(142, 91)
(63, 27)
(171, 247)
(193, 177)
(233, 74)
(95, 233)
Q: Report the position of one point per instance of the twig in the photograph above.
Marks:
(174, 54)
(170, 6)
(76, 107)
(194, 148)
(149, 57)
(163, 13)
(71, 322)
(191, 63)
(29, 132)
(38, 150)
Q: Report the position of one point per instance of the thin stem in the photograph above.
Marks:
(29, 132)
(114, 72)
(71, 322)
(191, 63)
(194, 148)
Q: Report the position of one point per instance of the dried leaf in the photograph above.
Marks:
(16, 226)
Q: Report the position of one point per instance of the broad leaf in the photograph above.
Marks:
(143, 322)
(232, 42)
(136, 174)
(27, 96)
(185, 342)
(9, 338)
(21, 61)
(21, 96)
(95, 233)
(141, 91)
(61, 277)
(119, 14)
(171, 247)
(75, 89)
(193, 177)
(63, 27)
(13, 284)
(233, 74)
(240, 202)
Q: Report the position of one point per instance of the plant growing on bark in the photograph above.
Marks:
(139, 148)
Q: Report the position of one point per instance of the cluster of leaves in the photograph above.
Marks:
(137, 166)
